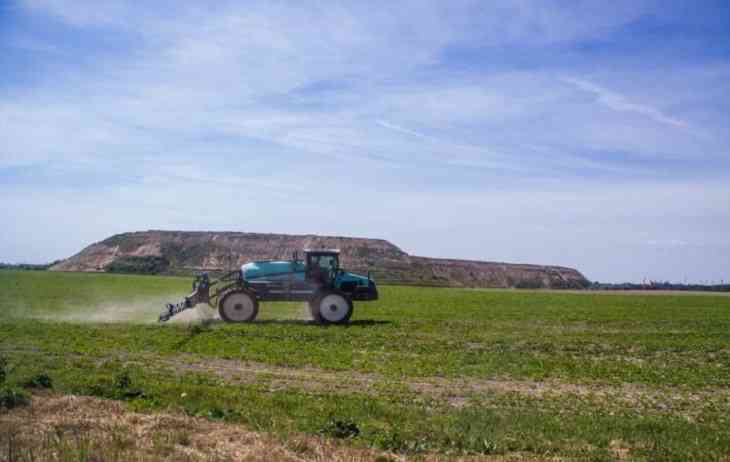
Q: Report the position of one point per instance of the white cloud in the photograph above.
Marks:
(400, 129)
(667, 242)
(348, 119)
(618, 102)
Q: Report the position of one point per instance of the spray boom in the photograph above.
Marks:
(200, 294)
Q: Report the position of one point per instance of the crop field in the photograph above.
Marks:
(423, 373)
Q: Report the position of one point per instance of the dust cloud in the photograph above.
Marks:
(147, 311)
(143, 311)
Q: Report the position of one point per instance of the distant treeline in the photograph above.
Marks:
(661, 286)
(28, 266)
(138, 265)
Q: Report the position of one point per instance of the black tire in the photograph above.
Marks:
(238, 306)
(331, 307)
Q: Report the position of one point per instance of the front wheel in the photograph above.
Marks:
(238, 306)
(331, 308)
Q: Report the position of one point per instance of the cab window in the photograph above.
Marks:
(325, 262)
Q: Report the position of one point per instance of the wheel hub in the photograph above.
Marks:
(334, 308)
(238, 307)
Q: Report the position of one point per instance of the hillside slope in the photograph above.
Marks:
(175, 252)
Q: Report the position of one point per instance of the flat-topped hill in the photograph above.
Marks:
(175, 252)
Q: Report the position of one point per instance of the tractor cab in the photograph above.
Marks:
(322, 266)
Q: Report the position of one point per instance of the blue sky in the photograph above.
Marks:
(586, 134)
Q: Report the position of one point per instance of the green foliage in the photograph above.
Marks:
(3, 369)
(28, 266)
(41, 380)
(570, 284)
(394, 440)
(340, 429)
(535, 283)
(138, 265)
(11, 398)
(113, 384)
(122, 381)
(216, 413)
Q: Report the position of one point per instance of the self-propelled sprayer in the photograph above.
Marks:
(318, 280)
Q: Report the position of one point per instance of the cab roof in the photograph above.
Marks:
(321, 250)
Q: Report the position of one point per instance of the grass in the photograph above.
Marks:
(649, 372)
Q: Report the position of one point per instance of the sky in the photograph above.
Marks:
(588, 134)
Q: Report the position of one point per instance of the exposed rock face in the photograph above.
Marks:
(186, 252)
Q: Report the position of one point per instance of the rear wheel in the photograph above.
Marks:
(331, 308)
(238, 306)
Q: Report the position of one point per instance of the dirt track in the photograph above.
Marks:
(453, 391)
(456, 392)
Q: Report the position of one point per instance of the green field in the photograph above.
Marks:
(423, 370)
